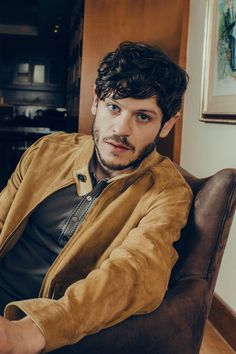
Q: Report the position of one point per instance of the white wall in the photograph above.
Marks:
(207, 148)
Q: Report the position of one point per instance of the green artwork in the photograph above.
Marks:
(226, 39)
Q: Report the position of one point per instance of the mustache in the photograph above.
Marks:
(119, 139)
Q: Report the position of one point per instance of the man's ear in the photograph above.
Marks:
(95, 102)
(169, 125)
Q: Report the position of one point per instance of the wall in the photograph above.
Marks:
(207, 148)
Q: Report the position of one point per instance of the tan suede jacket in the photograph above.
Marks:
(118, 262)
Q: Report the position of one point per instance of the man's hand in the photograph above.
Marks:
(20, 337)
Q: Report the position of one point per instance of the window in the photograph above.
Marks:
(39, 74)
(23, 68)
(22, 72)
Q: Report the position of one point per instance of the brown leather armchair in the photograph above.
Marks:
(177, 326)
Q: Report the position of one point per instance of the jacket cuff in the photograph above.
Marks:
(44, 315)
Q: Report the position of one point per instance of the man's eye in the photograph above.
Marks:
(143, 117)
(113, 107)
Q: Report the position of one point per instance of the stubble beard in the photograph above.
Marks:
(119, 167)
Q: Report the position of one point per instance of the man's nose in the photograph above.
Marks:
(122, 125)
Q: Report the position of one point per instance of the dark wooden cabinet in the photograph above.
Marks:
(33, 81)
(13, 143)
(75, 60)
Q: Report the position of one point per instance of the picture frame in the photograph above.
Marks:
(219, 72)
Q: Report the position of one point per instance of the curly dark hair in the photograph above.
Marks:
(139, 70)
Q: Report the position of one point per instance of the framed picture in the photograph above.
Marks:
(219, 77)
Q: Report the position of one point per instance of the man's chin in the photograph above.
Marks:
(115, 166)
(115, 163)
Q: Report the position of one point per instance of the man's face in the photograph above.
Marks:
(124, 131)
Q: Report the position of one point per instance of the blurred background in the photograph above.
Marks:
(38, 65)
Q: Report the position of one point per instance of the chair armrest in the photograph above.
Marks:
(178, 322)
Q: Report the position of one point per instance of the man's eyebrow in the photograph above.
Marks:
(148, 111)
(113, 100)
(152, 111)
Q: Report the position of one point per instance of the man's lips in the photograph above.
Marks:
(117, 145)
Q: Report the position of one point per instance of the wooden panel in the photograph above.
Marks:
(107, 23)
(182, 62)
(224, 319)
(213, 343)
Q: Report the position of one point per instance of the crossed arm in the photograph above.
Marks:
(20, 337)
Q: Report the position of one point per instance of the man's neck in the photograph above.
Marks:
(101, 171)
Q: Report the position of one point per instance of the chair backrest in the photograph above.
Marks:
(203, 240)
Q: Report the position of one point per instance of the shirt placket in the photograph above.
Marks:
(79, 213)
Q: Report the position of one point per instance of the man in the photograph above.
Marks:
(88, 224)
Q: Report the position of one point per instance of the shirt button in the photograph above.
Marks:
(89, 198)
(74, 219)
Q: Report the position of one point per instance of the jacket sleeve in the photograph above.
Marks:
(7, 195)
(132, 280)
